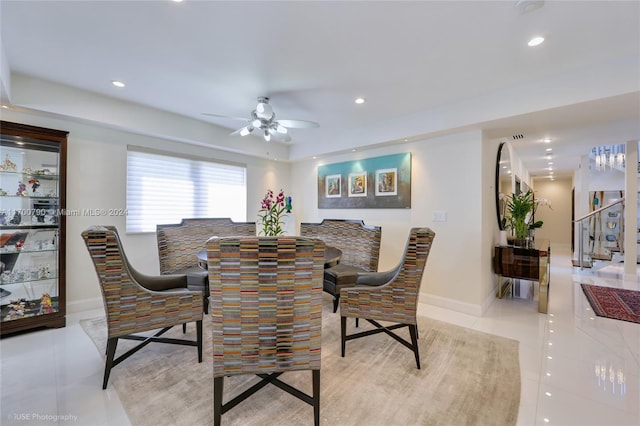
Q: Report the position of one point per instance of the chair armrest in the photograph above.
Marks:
(161, 282)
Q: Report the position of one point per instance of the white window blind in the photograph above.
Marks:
(165, 189)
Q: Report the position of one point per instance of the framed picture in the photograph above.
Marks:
(366, 183)
(386, 182)
(358, 184)
(333, 186)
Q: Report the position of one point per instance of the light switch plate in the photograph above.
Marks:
(439, 216)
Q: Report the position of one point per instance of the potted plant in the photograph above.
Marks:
(521, 210)
(272, 212)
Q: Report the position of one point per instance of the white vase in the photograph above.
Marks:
(503, 238)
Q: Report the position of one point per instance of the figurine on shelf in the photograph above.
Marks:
(35, 183)
(8, 165)
(17, 218)
(17, 309)
(19, 244)
(3, 218)
(3, 192)
(288, 204)
(45, 304)
(22, 189)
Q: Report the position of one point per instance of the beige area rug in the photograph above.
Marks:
(467, 378)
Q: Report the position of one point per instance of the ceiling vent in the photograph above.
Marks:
(518, 137)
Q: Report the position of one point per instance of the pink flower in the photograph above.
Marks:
(271, 213)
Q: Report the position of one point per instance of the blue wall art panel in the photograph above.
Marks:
(371, 183)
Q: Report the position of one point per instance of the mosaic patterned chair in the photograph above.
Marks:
(390, 296)
(266, 308)
(135, 302)
(360, 246)
(179, 243)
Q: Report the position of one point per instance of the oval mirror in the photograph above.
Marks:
(504, 179)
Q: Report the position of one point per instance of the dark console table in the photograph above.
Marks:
(524, 263)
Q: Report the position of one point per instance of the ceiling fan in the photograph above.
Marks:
(263, 119)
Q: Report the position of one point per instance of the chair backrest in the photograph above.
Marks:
(398, 300)
(179, 243)
(266, 303)
(130, 308)
(359, 243)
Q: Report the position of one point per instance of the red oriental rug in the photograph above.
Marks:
(616, 303)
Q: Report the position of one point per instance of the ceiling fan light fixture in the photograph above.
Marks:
(246, 130)
(264, 111)
(256, 123)
(267, 136)
(281, 129)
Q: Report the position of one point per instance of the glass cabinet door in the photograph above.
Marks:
(31, 229)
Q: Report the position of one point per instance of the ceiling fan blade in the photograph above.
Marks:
(242, 131)
(299, 124)
(226, 116)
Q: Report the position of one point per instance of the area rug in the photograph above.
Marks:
(467, 378)
(616, 303)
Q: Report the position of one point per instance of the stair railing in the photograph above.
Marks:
(581, 221)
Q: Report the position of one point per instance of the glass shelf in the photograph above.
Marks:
(29, 175)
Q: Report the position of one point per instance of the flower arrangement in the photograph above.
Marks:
(521, 209)
(271, 214)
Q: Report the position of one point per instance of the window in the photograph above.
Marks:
(164, 188)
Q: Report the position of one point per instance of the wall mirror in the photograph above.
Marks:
(504, 182)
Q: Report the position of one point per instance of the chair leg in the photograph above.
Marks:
(112, 343)
(336, 303)
(316, 397)
(413, 331)
(199, 339)
(343, 333)
(217, 400)
(184, 328)
(205, 304)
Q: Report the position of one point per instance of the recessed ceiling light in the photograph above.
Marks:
(353, 150)
(117, 83)
(360, 100)
(314, 157)
(546, 140)
(536, 41)
(549, 149)
(5, 107)
(550, 163)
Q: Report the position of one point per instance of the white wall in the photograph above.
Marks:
(96, 179)
(453, 174)
(557, 219)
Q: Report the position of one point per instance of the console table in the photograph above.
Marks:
(524, 263)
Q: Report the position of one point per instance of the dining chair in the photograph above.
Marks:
(360, 251)
(266, 310)
(135, 302)
(390, 296)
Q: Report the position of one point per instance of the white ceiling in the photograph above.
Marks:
(425, 67)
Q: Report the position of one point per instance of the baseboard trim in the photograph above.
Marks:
(84, 305)
(451, 304)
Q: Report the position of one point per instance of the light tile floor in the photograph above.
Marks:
(576, 368)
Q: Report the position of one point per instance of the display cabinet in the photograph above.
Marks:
(32, 227)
